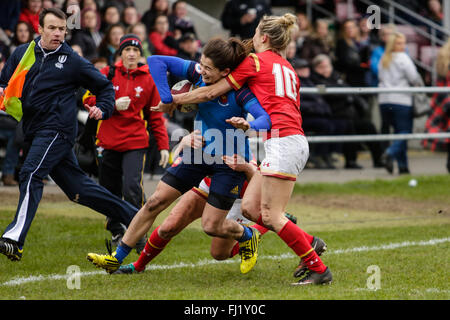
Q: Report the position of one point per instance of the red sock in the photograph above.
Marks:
(262, 230)
(153, 247)
(307, 236)
(294, 237)
(235, 250)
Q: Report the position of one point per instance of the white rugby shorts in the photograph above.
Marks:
(285, 157)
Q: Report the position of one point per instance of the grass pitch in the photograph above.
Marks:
(386, 240)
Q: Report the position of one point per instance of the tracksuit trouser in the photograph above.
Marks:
(51, 153)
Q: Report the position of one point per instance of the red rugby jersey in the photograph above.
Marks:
(276, 85)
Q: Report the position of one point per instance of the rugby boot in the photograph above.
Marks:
(248, 250)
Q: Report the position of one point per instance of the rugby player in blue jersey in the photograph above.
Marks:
(217, 121)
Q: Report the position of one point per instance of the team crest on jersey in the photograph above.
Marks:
(197, 68)
(138, 91)
(61, 60)
(223, 100)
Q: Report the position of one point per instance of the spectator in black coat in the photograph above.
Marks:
(318, 42)
(241, 17)
(351, 111)
(9, 15)
(351, 56)
(316, 115)
(88, 38)
(158, 7)
(179, 20)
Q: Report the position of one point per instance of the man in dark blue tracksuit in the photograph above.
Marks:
(50, 127)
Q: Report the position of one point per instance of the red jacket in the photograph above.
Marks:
(160, 47)
(127, 130)
(33, 19)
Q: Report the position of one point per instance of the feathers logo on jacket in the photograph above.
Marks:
(61, 60)
(138, 91)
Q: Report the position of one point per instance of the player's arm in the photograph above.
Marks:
(93, 80)
(159, 66)
(203, 94)
(237, 163)
(193, 140)
(235, 80)
(247, 100)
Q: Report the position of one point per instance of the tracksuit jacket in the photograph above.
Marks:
(50, 126)
(48, 96)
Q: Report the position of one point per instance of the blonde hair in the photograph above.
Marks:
(390, 44)
(443, 59)
(279, 29)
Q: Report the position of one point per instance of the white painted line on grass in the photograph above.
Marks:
(206, 262)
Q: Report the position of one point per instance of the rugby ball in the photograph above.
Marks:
(183, 87)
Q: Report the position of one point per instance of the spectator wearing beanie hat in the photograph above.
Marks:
(124, 137)
(129, 40)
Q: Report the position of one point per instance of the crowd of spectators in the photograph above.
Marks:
(323, 52)
(347, 53)
(95, 28)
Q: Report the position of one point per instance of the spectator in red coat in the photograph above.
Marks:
(162, 39)
(123, 138)
(30, 13)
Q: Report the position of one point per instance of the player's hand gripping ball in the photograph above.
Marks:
(183, 87)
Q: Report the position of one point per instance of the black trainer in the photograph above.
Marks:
(320, 247)
(312, 277)
(117, 230)
(388, 162)
(126, 269)
(10, 249)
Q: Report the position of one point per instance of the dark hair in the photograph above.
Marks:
(15, 41)
(226, 53)
(55, 11)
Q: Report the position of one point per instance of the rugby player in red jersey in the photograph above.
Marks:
(275, 84)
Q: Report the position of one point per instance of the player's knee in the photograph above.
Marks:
(155, 202)
(210, 228)
(219, 254)
(168, 230)
(250, 210)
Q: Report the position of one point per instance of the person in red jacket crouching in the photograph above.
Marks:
(123, 139)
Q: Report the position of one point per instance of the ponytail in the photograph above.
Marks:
(279, 29)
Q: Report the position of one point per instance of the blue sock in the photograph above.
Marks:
(122, 251)
(247, 235)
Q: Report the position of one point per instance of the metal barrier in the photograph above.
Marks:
(321, 89)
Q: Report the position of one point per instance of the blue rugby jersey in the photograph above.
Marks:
(211, 115)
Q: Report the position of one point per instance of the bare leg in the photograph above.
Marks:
(273, 204)
(215, 224)
(189, 208)
(163, 196)
(221, 248)
(251, 202)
